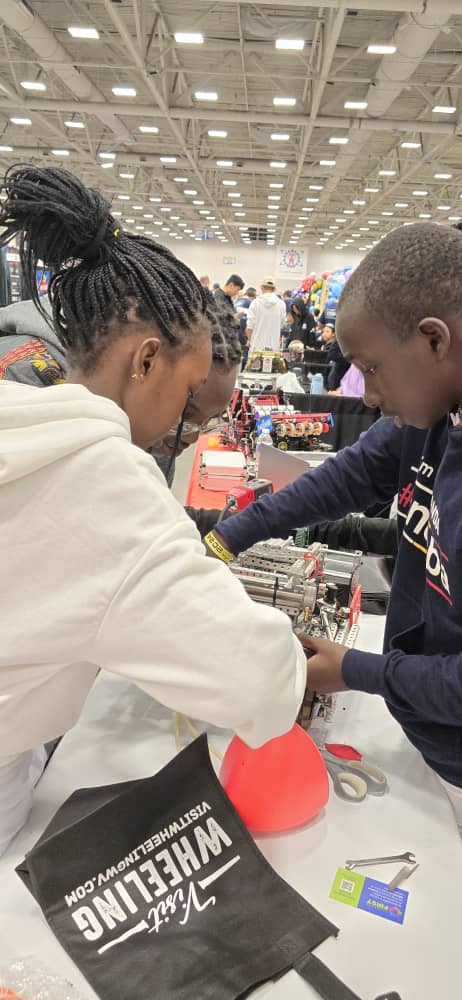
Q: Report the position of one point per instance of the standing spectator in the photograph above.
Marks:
(267, 316)
(215, 287)
(302, 324)
(205, 281)
(243, 304)
(287, 297)
(227, 293)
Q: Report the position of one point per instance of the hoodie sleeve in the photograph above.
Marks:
(182, 627)
(359, 476)
(251, 315)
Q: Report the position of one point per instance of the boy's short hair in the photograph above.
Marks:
(235, 279)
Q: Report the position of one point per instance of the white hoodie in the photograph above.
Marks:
(102, 568)
(266, 317)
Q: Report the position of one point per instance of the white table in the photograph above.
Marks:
(123, 734)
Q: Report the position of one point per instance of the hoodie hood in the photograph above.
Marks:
(22, 321)
(269, 300)
(40, 426)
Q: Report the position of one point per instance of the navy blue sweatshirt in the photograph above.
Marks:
(420, 671)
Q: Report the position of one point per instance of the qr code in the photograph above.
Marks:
(347, 886)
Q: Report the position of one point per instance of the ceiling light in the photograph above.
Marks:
(206, 95)
(189, 37)
(290, 43)
(334, 228)
(233, 194)
(217, 133)
(410, 145)
(167, 159)
(387, 173)
(442, 109)
(454, 218)
(337, 140)
(355, 105)
(107, 156)
(276, 185)
(116, 213)
(229, 183)
(104, 166)
(401, 204)
(364, 229)
(424, 215)
(157, 200)
(271, 216)
(181, 180)
(327, 163)
(280, 136)
(198, 202)
(6, 149)
(21, 121)
(355, 235)
(307, 209)
(358, 202)
(83, 32)
(340, 219)
(202, 211)
(420, 194)
(372, 190)
(33, 85)
(124, 91)
(312, 200)
(278, 163)
(130, 221)
(274, 197)
(61, 152)
(284, 102)
(139, 227)
(162, 209)
(381, 50)
(148, 129)
(388, 213)
(127, 177)
(349, 211)
(190, 191)
(444, 208)
(139, 208)
(316, 187)
(373, 222)
(148, 216)
(239, 215)
(224, 163)
(237, 204)
(75, 124)
(443, 177)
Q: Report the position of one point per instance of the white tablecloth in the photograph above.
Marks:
(123, 734)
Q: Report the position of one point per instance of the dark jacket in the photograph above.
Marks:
(420, 671)
(338, 365)
(303, 326)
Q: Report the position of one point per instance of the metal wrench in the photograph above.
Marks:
(408, 856)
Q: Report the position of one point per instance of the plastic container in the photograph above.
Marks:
(317, 384)
(279, 786)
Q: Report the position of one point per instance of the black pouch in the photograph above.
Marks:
(155, 888)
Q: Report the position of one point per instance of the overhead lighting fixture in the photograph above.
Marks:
(61, 152)
(349, 211)
(387, 173)
(374, 222)
(388, 213)
(278, 164)
(306, 209)
(224, 163)
(165, 209)
(146, 215)
(189, 37)
(444, 208)
(180, 180)
(410, 145)
(75, 124)
(359, 202)
(274, 197)
(21, 121)
(379, 49)
(157, 200)
(443, 177)
(124, 91)
(327, 163)
(364, 229)
(284, 102)
(83, 33)
(420, 194)
(149, 129)
(424, 215)
(107, 156)
(355, 105)
(316, 187)
(139, 208)
(401, 204)
(167, 159)
(127, 177)
(206, 95)
(338, 140)
(276, 185)
(106, 166)
(290, 44)
(454, 218)
(443, 109)
(280, 136)
(198, 202)
(233, 194)
(371, 190)
(33, 85)
(116, 213)
(312, 200)
(239, 215)
(190, 191)
(217, 133)
(229, 183)
(6, 149)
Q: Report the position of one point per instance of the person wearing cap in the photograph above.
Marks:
(265, 319)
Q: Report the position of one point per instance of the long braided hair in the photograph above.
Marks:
(100, 271)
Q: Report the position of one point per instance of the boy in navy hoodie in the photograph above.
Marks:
(399, 320)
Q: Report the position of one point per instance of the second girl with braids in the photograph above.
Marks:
(100, 566)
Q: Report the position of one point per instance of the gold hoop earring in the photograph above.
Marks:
(137, 376)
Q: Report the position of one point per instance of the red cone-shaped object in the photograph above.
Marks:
(279, 786)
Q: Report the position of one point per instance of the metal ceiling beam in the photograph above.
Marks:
(139, 62)
(359, 124)
(387, 6)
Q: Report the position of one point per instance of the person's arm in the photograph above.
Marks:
(204, 519)
(250, 320)
(356, 478)
(372, 535)
(183, 628)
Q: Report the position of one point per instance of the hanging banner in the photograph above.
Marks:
(291, 263)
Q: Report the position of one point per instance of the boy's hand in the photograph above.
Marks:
(324, 664)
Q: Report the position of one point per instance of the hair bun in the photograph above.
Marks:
(56, 216)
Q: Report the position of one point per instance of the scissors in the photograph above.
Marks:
(352, 777)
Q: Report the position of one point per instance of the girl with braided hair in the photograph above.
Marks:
(101, 568)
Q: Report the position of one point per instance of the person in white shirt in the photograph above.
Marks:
(101, 566)
(265, 319)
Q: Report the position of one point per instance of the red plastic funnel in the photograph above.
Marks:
(279, 786)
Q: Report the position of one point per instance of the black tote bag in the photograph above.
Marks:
(156, 890)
